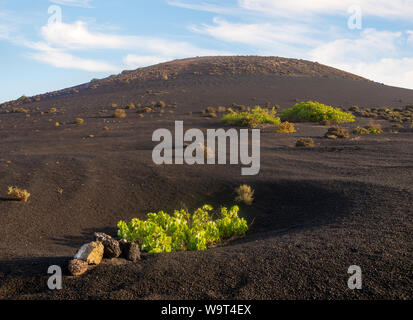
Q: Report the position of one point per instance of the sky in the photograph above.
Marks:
(48, 45)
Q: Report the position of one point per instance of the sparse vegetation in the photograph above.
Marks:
(130, 106)
(286, 127)
(374, 130)
(360, 130)
(79, 121)
(305, 142)
(210, 112)
(252, 118)
(337, 132)
(397, 115)
(183, 231)
(244, 194)
(160, 104)
(18, 194)
(119, 113)
(311, 111)
(20, 110)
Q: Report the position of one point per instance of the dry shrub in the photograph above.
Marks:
(160, 104)
(286, 127)
(222, 109)
(79, 121)
(18, 194)
(245, 194)
(305, 142)
(20, 110)
(337, 132)
(119, 113)
(53, 110)
(360, 130)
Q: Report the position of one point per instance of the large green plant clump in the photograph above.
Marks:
(311, 111)
(182, 231)
(252, 118)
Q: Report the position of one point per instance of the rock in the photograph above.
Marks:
(130, 250)
(112, 247)
(332, 136)
(91, 252)
(77, 267)
(100, 236)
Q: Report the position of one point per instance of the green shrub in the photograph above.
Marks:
(368, 130)
(315, 112)
(375, 130)
(162, 232)
(251, 118)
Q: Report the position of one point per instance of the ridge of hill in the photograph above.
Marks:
(203, 66)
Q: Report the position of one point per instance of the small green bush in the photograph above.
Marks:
(368, 130)
(374, 130)
(79, 121)
(251, 118)
(311, 111)
(183, 231)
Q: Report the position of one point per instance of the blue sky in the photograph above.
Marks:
(48, 45)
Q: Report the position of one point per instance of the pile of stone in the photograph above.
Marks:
(106, 247)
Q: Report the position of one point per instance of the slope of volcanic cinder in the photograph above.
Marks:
(316, 210)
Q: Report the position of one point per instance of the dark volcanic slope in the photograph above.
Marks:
(317, 211)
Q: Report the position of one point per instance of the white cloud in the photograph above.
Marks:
(208, 6)
(390, 71)
(65, 60)
(60, 59)
(263, 34)
(373, 55)
(77, 36)
(74, 3)
(132, 61)
(299, 8)
(410, 38)
(61, 39)
(371, 45)
(4, 32)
